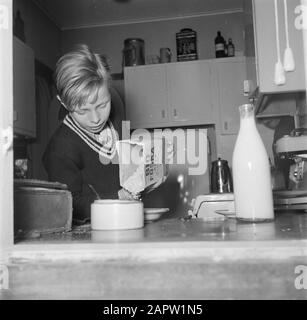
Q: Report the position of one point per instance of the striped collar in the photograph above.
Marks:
(108, 149)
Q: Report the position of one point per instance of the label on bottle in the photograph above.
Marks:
(231, 52)
(219, 47)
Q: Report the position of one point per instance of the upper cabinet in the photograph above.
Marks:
(24, 89)
(266, 38)
(145, 95)
(230, 74)
(169, 94)
(189, 88)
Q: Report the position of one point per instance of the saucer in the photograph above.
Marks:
(227, 213)
(152, 214)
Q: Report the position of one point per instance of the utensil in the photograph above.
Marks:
(221, 180)
(279, 76)
(95, 192)
(289, 64)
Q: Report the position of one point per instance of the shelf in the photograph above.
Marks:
(275, 115)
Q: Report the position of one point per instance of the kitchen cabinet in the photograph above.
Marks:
(24, 113)
(230, 75)
(189, 88)
(173, 94)
(146, 96)
(264, 37)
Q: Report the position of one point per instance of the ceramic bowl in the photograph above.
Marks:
(117, 215)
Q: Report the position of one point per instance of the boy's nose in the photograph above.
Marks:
(95, 118)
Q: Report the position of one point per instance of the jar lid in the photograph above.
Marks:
(133, 40)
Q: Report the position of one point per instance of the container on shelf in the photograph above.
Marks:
(186, 41)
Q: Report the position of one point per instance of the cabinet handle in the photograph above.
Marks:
(163, 114)
(225, 125)
(15, 115)
(175, 112)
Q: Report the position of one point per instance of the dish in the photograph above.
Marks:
(227, 213)
(111, 214)
(152, 214)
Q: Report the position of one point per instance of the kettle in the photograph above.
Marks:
(221, 180)
(133, 53)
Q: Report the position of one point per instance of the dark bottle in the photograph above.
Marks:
(219, 46)
(231, 48)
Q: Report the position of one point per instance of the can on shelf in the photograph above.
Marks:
(186, 45)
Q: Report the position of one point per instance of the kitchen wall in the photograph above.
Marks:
(49, 42)
(41, 34)
(110, 39)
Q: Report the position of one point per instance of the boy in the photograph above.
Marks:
(80, 152)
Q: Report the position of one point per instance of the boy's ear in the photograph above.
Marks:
(63, 104)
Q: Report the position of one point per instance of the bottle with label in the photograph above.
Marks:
(251, 171)
(219, 45)
(230, 48)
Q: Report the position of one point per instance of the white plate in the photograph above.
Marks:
(227, 213)
(152, 214)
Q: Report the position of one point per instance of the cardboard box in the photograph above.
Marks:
(141, 163)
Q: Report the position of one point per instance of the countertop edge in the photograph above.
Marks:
(160, 251)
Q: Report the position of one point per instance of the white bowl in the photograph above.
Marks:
(117, 215)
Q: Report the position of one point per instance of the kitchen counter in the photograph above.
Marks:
(286, 226)
(167, 259)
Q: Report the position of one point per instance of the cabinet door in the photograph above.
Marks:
(24, 89)
(189, 87)
(146, 96)
(266, 51)
(230, 77)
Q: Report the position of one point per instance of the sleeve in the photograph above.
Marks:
(62, 169)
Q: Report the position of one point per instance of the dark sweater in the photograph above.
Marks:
(69, 160)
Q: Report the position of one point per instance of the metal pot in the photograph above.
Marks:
(221, 180)
(133, 53)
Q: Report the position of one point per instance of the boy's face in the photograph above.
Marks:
(93, 116)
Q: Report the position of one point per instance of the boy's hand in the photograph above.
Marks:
(124, 194)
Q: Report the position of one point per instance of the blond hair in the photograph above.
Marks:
(79, 75)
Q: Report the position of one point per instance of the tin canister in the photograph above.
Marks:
(186, 42)
(134, 52)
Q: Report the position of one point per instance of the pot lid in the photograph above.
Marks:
(133, 40)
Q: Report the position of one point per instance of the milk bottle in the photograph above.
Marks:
(251, 171)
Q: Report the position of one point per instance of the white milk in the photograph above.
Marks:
(251, 171)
